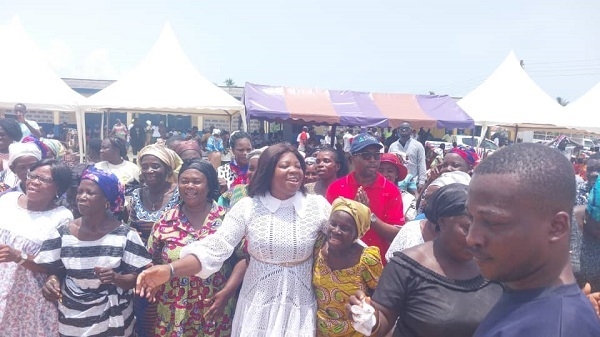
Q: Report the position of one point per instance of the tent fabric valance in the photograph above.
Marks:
(353, 108)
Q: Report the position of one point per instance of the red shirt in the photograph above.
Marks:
(384, 198)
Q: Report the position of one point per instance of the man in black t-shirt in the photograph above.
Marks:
(520, 200)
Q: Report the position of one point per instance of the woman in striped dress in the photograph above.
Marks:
(101, 257)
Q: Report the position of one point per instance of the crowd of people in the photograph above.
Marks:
(368, 239)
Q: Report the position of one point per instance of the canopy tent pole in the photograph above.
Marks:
(332, 135)
(79, 117)
(102, 125)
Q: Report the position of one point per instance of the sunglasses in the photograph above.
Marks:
(369, 155)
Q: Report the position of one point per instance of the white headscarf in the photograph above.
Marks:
(18, 150)
(448, 178)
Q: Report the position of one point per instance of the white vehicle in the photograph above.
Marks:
(466, 140)
(588, 144)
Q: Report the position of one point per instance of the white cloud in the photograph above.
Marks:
(97, 65)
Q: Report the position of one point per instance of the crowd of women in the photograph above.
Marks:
(174, 246)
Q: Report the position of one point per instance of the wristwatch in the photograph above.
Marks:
(23, 258)
(373, 217)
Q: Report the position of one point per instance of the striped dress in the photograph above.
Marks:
(88, 307)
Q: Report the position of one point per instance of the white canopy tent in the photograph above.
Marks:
(29, 79)
(584, 113)
(510, 98)
(166, 81)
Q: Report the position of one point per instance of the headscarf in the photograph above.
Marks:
(44, 149)
(206, 168)
(18, 150)
(165, 155)
(55, 146)
(187, 145)
(593, 205)
(358, 211)
(453, 177)
(448, 201)
(112, 189)
(466, 153)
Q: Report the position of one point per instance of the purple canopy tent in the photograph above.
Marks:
(353, 108)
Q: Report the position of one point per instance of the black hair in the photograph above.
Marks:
(237, 136)
(20, 107)
(173, 142)
(120, 145)
(12, 128)
(95, 144)
(208, 170)
(339, 158)
(61, 173)
(540, 170)
(261, 179)
(77, 172)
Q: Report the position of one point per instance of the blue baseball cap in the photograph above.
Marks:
(363, 140)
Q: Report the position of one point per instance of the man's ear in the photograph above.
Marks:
(560, 226)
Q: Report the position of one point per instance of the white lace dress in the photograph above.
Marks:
(410, 235)
(276, 298)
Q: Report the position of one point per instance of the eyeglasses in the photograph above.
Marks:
(369, 155)
(33, 176)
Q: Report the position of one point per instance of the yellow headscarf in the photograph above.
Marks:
(360, 213)
(167, 156)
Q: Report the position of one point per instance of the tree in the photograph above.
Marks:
(229, 82)
(562, 101)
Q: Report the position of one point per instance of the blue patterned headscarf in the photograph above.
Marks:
(109, 184)
(593, 206)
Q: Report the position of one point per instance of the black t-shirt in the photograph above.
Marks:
(549, 312)
(431, 304)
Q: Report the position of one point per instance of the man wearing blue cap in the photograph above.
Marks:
(367, 185)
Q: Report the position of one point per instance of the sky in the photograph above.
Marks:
(448, 47)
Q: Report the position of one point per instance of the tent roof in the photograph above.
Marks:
(166, 81)
(337, 107)
(509, 97)
(584, 113)
(27, 77)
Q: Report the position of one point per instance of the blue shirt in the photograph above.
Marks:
(214, 144)
(549, 312)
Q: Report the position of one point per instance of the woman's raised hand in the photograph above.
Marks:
(151, 279)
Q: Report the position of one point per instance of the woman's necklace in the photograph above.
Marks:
(160, 195)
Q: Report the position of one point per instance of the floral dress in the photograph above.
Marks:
(23, 309)
(181, 303)
(333, 288)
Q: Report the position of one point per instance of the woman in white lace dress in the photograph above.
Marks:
(281, 224)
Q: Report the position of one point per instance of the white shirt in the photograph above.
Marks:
(415, 156)
(347, 138)
(25, 129)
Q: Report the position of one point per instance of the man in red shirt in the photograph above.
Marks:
(367, 185)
